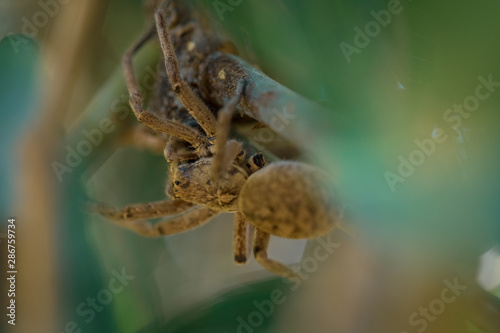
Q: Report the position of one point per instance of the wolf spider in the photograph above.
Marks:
(287, 199)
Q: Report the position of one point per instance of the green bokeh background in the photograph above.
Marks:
(392, 93)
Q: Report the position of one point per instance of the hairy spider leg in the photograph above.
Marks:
(145, 116)
(261, 243)
(132, 216)
(242, 239)
(195, 106)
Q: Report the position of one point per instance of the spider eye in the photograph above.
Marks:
(177, 182)
(258, 159)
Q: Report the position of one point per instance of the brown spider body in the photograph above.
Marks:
(209, 173)
(285, 199)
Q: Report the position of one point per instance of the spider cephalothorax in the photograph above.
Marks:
(192, 182)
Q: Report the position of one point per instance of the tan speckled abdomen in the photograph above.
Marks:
(290, 200)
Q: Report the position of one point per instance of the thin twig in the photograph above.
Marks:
(37, 196)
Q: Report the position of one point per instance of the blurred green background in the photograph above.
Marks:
(392, 91)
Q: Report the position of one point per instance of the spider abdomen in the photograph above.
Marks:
(290, 200)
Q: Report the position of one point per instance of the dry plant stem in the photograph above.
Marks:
(184, 222)
(143, 210)
(193, 103)
(37, 184)
(261, 243)
(265, 100)
(147, 117)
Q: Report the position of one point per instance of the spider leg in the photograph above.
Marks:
(148, 210)
(182, 223)
(145, 116)
(226, 152)
(260, 246)
(185, 222)
(242, 239)
(196, 107)
(132, 216)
